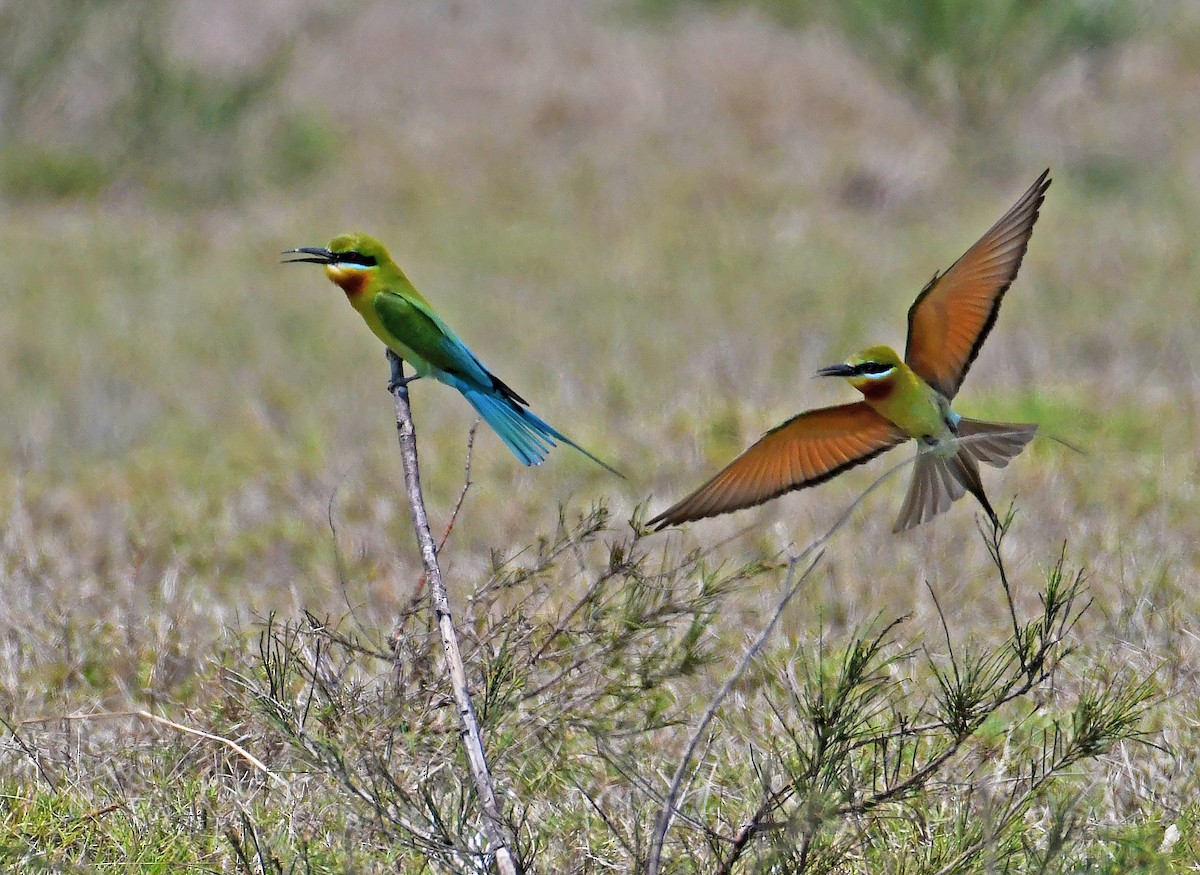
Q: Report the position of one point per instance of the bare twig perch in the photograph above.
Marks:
(500, 837)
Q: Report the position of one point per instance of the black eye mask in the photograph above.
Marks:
(352, 257)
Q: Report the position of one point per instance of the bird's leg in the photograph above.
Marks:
(398, 379)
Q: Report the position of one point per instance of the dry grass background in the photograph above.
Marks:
(656, 231)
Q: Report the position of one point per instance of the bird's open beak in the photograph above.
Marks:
(839, 370)
(319, 255)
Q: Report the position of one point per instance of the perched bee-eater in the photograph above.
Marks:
(902, 398)
(401, 317)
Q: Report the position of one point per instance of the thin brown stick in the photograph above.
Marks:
(462, 494)
(994, 540)
(467, 481)
(97, 813)
(500, 836)
(171, 724)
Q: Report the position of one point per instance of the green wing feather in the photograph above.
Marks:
(422, 331)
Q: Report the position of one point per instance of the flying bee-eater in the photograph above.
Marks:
(903, 399)
(401, 317)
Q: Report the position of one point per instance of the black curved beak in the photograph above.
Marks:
(319, 255)
(839, 370)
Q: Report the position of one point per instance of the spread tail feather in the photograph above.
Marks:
(938, 481)
(994, 443)
(525, 433)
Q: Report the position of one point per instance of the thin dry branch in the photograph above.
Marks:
(462, 495)
(170, 724)
(667, 814)
(500, 836)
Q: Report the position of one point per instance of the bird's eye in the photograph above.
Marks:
(353, 257)
(872, 368)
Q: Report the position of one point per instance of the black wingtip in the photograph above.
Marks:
(659, 523)
(1042, 182)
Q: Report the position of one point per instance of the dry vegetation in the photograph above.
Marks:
(656, 229)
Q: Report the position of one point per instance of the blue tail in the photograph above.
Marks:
(525, 433)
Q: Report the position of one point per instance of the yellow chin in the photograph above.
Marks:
(339, 273)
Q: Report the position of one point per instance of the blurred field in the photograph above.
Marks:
(654, 229)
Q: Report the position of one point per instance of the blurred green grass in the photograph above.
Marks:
(656, 233)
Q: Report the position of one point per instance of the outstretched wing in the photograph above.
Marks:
(952, 316)
(806, 450)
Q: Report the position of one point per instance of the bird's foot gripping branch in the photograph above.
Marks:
(398, 380)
